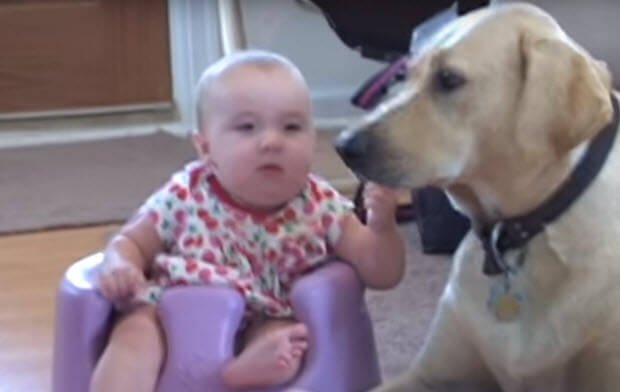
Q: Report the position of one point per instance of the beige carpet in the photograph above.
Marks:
(402, 316)
(102, 181)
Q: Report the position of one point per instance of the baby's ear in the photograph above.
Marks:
(200, 143)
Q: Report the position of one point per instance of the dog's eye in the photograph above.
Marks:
(448, 80)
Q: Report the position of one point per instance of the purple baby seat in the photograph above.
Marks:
(200, 323)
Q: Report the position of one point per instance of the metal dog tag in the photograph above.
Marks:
(505, 302)
(507, 307)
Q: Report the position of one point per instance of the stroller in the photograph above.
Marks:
(391, 32)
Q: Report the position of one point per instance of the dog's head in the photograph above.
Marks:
(501, 89)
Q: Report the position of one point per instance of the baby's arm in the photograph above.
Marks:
(376, 250)
(126, 258)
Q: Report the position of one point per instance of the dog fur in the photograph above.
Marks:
(496, 110)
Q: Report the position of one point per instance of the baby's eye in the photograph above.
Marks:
(293, 127)
(246, 126)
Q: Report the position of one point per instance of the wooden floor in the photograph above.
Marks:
(30, 268)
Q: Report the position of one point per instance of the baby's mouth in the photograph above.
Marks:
(270, 168)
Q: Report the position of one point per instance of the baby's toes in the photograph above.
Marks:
(285, 359)
(300, 344)
(298, 332)
(297, 353)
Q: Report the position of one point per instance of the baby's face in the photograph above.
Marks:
(260, 134)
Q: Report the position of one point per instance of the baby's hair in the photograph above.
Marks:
(254, 57)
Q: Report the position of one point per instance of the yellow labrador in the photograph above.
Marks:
(499, 109)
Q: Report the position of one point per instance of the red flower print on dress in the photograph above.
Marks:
(211, 223)
(319, 231)
(258, 269)
(282, 269)
(272, 255)
(180, 216)
(231, 224)
(205, 275)
(286, 245)
(199, 241)
(289, 214)
(188, 242)
(191, 265)
(208, 256)
(221, 270)
(316, 195)
(272, 227)
(199, 197)
(240, 215)
(154, 216)
(194, 176)
(179, 282)
(328, 193)
(301, 265)
(182, 194)
(296, 252)
(215, 242)
(308, 208)
(327, 220)
(248, 255)
(178, 231)
(203, 214)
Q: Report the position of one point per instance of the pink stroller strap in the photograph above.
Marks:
(376, 87)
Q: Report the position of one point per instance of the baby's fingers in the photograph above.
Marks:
(375, 191)
(137, 282)
(380, 201)
(107, 286)
(120, 284)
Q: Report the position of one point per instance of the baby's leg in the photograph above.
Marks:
(272, 354)
(133, 356)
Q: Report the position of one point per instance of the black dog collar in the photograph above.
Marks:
(514, 233)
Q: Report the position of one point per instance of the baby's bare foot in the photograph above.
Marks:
(272, 359)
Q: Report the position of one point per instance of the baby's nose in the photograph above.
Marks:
(272, 138)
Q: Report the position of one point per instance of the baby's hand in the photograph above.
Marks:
(119, 281)
(381, 203)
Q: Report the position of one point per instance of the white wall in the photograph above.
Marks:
(333, 70)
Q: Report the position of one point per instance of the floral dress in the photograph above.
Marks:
(211, 239)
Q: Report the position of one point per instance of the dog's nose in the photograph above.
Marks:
(352, 146)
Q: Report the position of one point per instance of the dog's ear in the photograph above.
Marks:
(565, 94)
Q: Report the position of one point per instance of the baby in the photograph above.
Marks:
(247, 214)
